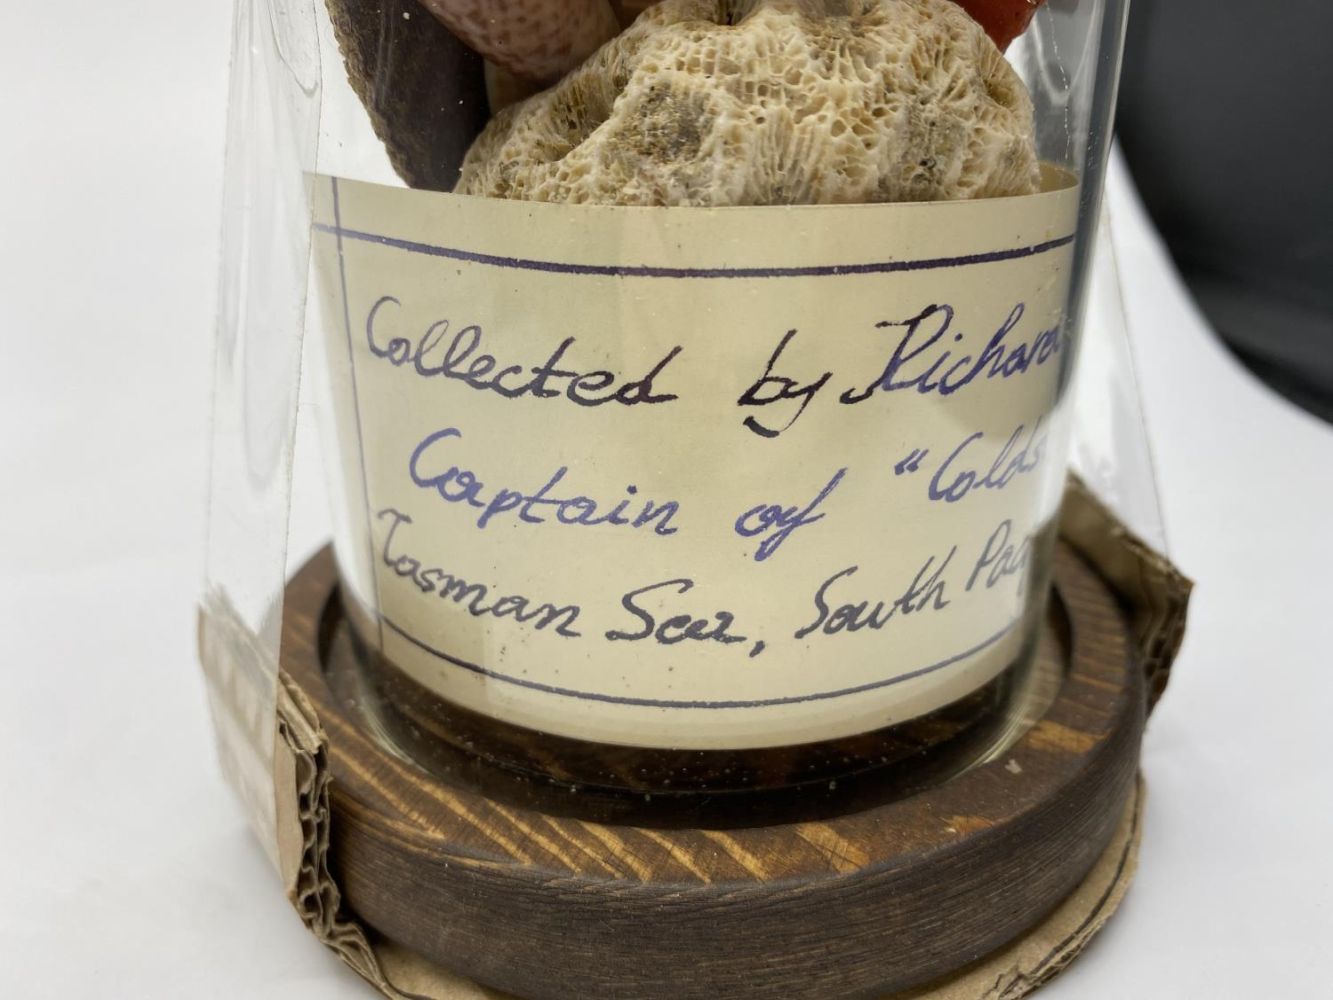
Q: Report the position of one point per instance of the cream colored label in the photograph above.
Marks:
(692, 477)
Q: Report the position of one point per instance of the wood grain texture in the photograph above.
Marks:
(861, 905)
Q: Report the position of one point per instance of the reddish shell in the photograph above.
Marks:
(1004, 20)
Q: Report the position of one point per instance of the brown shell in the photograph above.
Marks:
(536, 40)
(423, 88)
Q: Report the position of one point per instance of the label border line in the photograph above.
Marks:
(650, 271)
(668, 703)
(356, 399)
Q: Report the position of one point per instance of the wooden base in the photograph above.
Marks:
(860, 905)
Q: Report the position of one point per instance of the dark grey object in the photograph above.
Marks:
(1226, 118)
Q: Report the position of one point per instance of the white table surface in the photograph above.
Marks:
(126, 869)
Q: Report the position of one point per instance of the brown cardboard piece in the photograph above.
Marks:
(1155, 595)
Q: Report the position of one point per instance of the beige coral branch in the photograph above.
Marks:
(536, 40)
(764, 102)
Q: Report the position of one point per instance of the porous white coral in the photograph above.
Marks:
(764, 102)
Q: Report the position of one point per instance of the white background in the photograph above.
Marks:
(126, 869)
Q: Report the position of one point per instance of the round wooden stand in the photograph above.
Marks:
(860, 905)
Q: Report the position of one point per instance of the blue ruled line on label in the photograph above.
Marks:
(668, 703)
(648, 271)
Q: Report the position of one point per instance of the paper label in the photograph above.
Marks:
(695, 477)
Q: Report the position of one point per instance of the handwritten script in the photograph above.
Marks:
(697, 477)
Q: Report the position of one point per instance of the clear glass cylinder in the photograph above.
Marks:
(696, 405)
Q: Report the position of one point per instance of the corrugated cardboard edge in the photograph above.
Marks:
(301, 782)
(1155, 595)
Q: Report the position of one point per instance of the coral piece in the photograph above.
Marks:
(701, 102)
(1004, 20)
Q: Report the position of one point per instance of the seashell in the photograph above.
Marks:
(535, 40)
(1004, 20)
(423, 89)
(758, 102)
